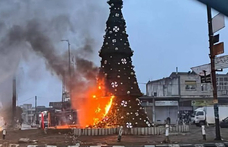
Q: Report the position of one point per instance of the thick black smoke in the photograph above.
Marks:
(31, 29)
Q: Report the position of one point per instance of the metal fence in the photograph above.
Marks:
(132, 131)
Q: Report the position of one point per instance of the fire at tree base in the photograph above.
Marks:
(126, 112)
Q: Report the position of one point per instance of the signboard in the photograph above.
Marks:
(205, 79)
(202, 103)
(215, 38)
(218, 22)
(200, 69)
(220, 63)
(215, 101)
(166, 103)
(218, 48)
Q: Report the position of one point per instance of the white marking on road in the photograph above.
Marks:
(175, 145)
(31, 145)
(149, 145)
(199, 145)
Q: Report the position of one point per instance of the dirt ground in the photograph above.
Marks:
(194, 136)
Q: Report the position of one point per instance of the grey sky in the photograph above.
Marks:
(164, 34)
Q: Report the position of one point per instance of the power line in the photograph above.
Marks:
(25, 100)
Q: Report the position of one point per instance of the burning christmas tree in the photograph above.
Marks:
(118, 73)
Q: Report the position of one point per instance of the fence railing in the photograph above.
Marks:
(132, 131)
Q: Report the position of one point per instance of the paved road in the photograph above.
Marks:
(193, 137)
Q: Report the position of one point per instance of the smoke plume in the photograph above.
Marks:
(31, 30)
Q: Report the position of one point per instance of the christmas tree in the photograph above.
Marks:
(118, 73)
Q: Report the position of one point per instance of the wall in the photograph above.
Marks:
(28, 115)
(191, 86)
(163, 87)
(185, 85)
(26, 106)
(222, 85)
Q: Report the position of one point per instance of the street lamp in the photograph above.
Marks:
(68, 43)
(69, 70)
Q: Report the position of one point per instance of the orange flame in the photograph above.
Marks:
(107, 108)
(95, 107)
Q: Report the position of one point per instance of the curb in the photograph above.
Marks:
(225, 144)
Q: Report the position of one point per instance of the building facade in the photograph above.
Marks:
(181, 91)
(29, 113)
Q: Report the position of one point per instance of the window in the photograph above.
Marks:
(224, 92)
(219, 87)
(190, 85)
(204, 87)
(199, 113)
(226, 119)
(220, 79)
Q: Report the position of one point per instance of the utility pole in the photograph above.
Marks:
(36, 113)
(69, 56)
(69, 65)
(14, 99)
(213, 74)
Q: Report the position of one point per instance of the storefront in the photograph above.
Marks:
(165, 109)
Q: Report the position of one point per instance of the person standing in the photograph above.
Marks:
(4, 132)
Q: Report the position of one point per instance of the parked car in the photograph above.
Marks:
(224, 123)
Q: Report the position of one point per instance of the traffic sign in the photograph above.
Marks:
(205, 79)
(216, 38)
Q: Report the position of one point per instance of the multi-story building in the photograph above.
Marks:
(29, 112)
(181, 91)
(26, 106)
(222, 85)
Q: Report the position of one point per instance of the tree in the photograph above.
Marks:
(118, 72)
